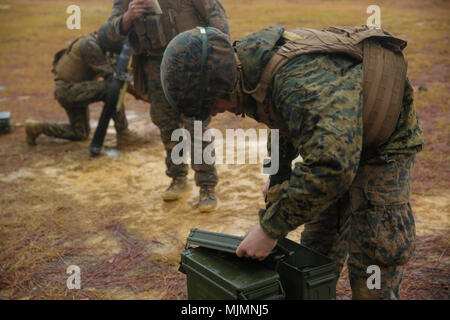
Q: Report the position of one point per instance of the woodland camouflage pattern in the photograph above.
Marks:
(168, 119)
(163, 115)
(354, 203)
(92, 53)
(179, 71)
(76, 97)
(217, 17)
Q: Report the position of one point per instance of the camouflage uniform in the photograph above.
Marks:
(75, 97)
(163, 115)
(354, 202)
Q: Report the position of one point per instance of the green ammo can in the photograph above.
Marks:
(292, 271)
(5, 122)
(214, 272)
(306, 274)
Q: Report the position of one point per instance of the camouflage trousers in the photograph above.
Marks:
(371, 225)
(75, 99)
(168, 119)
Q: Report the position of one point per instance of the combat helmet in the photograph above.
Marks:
(106, 43)
(198, 67)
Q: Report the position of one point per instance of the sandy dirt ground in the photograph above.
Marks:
(59, 207)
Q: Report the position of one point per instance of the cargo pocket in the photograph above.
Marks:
(385, 228)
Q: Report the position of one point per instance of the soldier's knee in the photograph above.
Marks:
(59, 96)
(82, 134)
(60, 92)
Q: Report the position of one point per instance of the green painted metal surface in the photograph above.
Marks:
(214, 274)
(307, 274)
(292, 271)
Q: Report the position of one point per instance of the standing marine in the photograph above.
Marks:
(83, 72)
(340, 98)
(150, 26)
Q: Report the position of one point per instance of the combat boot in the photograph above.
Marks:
(128, 137)
(207, 201)
(33, 129)
(176, 189)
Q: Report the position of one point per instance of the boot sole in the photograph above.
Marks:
(208, 208)
(174, 197)
(170, 198)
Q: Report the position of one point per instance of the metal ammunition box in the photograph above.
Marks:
(5, 122)
(306, 274)
(215, 272)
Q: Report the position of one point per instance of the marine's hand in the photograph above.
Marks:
(256, 245)
(136, 9)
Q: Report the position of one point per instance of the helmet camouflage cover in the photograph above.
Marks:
(198, 67)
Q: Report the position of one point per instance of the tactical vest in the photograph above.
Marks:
(383, 81)
(151, 33)
(69, 66)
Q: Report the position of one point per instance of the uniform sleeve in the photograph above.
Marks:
(216, 15)
(93, 55)
(325, 125)
(286, 154)
(115, 20)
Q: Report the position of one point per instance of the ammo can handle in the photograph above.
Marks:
(282, 293)
(281, 252)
